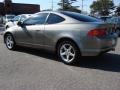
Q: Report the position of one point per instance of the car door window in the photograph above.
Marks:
(53, 19)
(37, 19)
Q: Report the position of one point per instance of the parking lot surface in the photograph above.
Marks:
(30, 69)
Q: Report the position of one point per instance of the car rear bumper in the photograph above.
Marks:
(97, 52)
(100, 46)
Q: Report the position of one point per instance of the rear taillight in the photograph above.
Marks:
(97, 32)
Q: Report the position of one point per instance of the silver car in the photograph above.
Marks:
(69, 34)
(8, 18)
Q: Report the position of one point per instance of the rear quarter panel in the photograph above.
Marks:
(76, 32)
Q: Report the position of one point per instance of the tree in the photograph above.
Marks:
(66, 5)
(118, 11)
(102, 7)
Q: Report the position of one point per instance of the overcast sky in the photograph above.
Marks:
(46, 4)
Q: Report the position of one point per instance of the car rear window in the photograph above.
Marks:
(80, 17)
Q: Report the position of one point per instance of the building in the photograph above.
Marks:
(8, 7)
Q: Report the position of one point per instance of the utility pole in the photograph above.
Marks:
(52, 5)
(82, 5)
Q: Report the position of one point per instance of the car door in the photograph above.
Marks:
(39, 29)
(31, 32)
(52, 27)
(24, 34)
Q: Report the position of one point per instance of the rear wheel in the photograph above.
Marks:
(9, 41)
(68, 52)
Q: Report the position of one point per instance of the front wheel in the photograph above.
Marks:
(9, 41)
(68, 52)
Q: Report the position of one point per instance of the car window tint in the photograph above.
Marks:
(53, 19)
(80, 17)
(37, 19)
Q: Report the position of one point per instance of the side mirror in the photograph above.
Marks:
(20, 24)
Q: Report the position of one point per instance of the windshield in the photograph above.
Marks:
(80, 17)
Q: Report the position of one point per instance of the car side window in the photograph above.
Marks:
(37, 19)
(53, 19)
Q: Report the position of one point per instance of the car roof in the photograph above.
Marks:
(9, 15)
(26, 15)
(52, 12)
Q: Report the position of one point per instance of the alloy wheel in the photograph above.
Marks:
(9, 41)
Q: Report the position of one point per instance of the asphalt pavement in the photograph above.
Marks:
(30, 69)
(2, 28)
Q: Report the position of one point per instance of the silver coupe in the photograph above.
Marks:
(69, 34)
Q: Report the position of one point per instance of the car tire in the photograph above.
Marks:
(68, 52)
(10, 42)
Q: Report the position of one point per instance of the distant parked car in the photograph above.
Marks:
(7, 18)
(16, 19)
(69, 34)
(116, 22)
(105, 18)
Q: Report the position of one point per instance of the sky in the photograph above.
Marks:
(47, 4)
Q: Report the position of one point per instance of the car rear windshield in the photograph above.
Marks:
(80, 17)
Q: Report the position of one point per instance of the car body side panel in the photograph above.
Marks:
(78, 33)
(38, 35)
(24, 35)
(75, 32)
